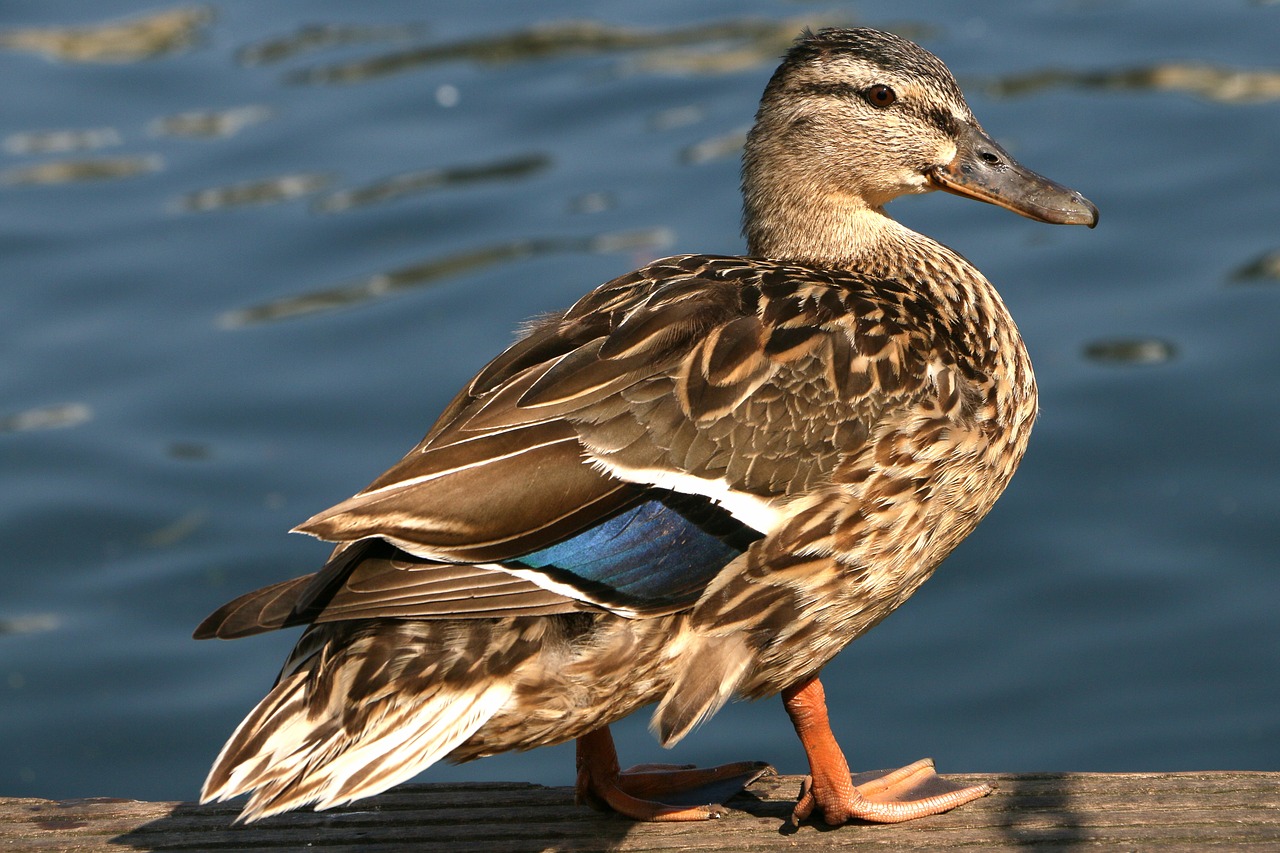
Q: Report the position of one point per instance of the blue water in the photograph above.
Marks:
(212, 328)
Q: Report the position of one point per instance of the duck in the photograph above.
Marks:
(698, 483)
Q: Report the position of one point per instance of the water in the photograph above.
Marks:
(247, 258)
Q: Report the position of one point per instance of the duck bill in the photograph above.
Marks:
(983, 170)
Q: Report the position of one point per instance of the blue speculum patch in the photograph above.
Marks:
(652, 553)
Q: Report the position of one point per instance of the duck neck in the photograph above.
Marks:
(822, 229)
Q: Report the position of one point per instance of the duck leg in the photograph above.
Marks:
(636, 792)
(883, 797)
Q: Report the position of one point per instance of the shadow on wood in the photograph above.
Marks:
(1169, 812)
(464, 817)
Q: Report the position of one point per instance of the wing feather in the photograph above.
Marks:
(265, 609)
(745, 381)
(486, 498)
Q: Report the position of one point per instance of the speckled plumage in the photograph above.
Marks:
(827, 417)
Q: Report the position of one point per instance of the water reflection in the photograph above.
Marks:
(1130, 351)
(1266, 267)
(596, 201)
(315, 37)
(46, 417)
(1226, 85)
(61, 141)
(74, 171)
(131, 40)
(437, 269)
(34, 623)
(189, 451)
(748, 42)
(426, 180)
(716, 147)
(274, 190)
(210, 124)
(675, 117)
(178, 530)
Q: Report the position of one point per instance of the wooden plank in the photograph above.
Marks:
(1169, 812)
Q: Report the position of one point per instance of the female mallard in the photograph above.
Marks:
(701, 481)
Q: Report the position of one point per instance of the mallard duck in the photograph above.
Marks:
(701, 481)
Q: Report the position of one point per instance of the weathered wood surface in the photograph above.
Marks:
(1163, 812)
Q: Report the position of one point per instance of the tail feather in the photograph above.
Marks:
(331, 731)
(346, 769)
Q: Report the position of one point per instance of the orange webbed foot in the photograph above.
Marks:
(657, 792)
(882, 796)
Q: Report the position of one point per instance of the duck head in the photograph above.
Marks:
(854, 118)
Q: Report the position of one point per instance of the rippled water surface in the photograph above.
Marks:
(248, 251)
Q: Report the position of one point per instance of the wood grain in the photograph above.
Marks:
(1166, 812)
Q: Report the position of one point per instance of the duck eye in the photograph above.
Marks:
(881, 96)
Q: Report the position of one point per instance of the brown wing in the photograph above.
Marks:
(372, 579)
(743, 380)
(254, 612)
(503, 473)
